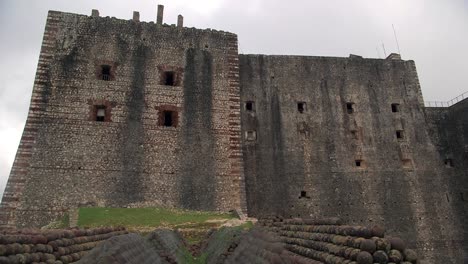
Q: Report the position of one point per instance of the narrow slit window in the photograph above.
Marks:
(168, 120)
(301, 107)
(169, 78)
(106, 72)
(448, 163)
(249, 106)
(350, 108)
(399, 134)
(395, 108)
(100, 113)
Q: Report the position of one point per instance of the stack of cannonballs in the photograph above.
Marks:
(330, 242)
(51, 246)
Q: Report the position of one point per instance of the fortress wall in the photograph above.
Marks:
(303, 164)
(448, 129)
(131, 159)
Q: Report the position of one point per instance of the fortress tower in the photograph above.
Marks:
(127, 113)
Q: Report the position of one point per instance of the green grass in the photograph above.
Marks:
(144, 217)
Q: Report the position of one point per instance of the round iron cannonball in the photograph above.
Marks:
(378, 231)
(380, 257)
(397, 243)
(410, 255)
(368, 245)
(395, 256)
(364, 258)
(383, 244)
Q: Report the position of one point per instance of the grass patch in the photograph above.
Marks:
(145, 217)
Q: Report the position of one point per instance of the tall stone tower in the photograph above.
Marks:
(127, 113)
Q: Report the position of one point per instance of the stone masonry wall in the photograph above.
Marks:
(448, 128)
(301, 163)
(68, 159)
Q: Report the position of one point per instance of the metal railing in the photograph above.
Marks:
(449, 103)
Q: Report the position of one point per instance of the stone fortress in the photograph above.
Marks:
(126, 113)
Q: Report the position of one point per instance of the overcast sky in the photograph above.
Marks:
(434, 33)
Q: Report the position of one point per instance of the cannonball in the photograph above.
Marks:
(397, 243)
(378, 231)
(364, 258)
(410, 255)
(368, 245)
(383, 244)
(380, 257)
(395, 256)
(354, 254)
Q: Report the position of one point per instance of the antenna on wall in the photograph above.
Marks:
(378, 52)
(385, 52)
(396, 39)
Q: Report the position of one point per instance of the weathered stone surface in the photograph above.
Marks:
(313, 135)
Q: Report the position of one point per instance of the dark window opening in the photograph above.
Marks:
(358, 163)
(168, 118)
(301, 107)
(399, 134)
(169, 78)
(448, 163)
(350, 108)
(249, 106)
(304, 195)
(106, 72)
(395, 108)
(355, 134)
(100, 113)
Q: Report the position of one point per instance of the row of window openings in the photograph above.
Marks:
(168, 76)
(167, 116)
(302, 106)
(406, 163)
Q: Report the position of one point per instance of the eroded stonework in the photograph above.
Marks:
(128, 114)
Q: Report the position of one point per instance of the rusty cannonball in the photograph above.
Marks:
(378, 231)
(410, 255)
(380, 257)
(354, 254)
(368, 245)
(364, 258)
(395, 256)
(383, 244)
(397, 243)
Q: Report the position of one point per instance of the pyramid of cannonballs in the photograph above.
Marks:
(328, 241)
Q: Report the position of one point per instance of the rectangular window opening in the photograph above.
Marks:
(249, 106)
(168, 120)
(100, 113)
(395, 108)
(251, 135)
(169, 78)
(350, 108)
(448, 163)
(301, 107)
(303, 195)
(106, 72)
(359, 163)
(399, 134)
